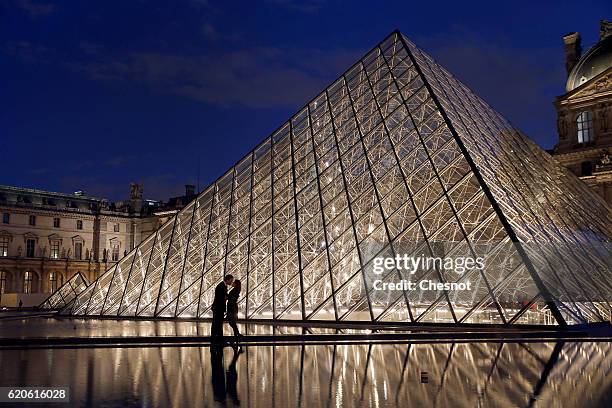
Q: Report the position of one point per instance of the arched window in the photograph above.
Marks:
(53, 281)
(27, 281)
(584, 124)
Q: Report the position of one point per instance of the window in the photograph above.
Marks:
(56, 223)
(30, 245)
(53, 281)
(27, 282)
(79, 224)
(6, 218)
(55, 249)
(78, 250)
(116, 227)
(4, 243)
(2, 282)
(115, 253)
(32, 220)
(584, 123)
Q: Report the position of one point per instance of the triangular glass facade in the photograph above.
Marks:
(66, 293)
(396, 156)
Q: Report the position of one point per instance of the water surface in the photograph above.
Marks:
(563, 374)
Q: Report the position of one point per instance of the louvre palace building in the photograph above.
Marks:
(585, 112)
(47, 238)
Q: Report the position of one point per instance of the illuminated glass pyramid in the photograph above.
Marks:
(66, 293)
(395, 156)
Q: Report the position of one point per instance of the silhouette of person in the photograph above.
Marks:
(232, 306)
(217, 371)
(218, 306)
(231, 377)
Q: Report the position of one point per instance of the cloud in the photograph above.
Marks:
(39, 171)
(259, 77)
(117, 161)
(162, 186)
(158, 187)
(33, 8)
(28, 51)
(213, 35)
(520, 83)
(302, 6)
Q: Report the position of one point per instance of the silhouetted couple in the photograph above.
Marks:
(219, 307)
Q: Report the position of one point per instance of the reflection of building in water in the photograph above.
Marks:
(396, 151)
(459, 375)
(585, 112)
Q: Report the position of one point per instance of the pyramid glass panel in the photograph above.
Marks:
(66, 293)
(397, 158)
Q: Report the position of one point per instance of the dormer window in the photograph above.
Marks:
(584, 124)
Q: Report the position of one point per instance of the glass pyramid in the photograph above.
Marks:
(66, 293)
(396, 156)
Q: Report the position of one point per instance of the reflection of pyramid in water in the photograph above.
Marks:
(396, 151)
(66, 293)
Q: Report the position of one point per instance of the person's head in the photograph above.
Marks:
(237, 284)
(228, 279)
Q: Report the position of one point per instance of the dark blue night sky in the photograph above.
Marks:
(97, 94)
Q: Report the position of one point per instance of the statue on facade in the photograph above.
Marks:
(562, 127)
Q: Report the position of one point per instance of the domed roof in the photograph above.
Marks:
(593, 63)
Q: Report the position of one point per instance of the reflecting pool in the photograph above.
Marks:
(568, 374)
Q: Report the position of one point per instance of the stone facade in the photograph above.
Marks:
(584, 113)
(47, 237)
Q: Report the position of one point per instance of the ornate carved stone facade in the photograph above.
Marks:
(46, 237)
(584, 113)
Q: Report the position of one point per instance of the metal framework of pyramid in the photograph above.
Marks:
(395, 154)
(66, 293)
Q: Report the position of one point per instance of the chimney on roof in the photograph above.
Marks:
(136, 191)
(573, 50)
(605, 29)
(189, 190)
